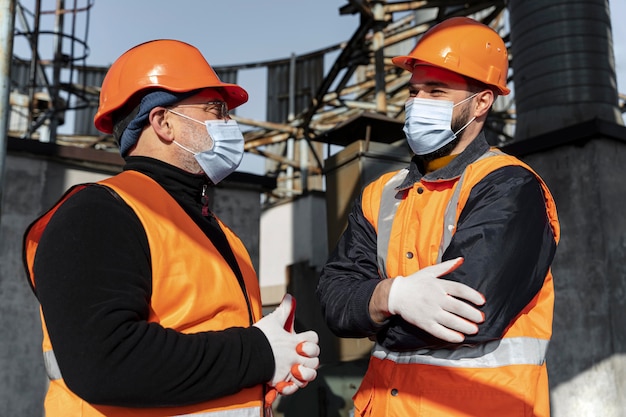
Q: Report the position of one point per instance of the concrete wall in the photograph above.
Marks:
(587, 354)
(290, 233)
(30, 186)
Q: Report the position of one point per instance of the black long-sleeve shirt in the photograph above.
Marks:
(93, 279)
(502, 232)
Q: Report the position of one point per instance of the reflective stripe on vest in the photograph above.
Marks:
(504, 352)
(390, 200)
(51, 365)
(54, 373)
(237, 412)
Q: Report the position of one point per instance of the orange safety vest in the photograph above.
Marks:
(172, 237)
(506, 377)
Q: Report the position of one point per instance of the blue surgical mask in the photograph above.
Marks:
(428, 124)
(227, 151)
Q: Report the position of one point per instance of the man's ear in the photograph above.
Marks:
(159, 120)
(484, 101)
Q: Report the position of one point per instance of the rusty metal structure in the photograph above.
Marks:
(361, 95)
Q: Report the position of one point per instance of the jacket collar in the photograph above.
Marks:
(453, 170)
(182, 185)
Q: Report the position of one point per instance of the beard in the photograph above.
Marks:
(194, 140)
(457, 124)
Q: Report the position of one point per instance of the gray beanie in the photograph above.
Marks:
(127, 131)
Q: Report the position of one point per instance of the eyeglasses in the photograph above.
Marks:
(218, 108)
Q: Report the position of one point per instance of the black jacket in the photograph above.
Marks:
(507, 262)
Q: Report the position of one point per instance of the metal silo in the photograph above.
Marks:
(564, 68)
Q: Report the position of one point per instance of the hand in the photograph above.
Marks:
(296, 355)
(301, 377)
(301, 374)
(437, 305)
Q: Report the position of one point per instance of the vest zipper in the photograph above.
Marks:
(204, 199)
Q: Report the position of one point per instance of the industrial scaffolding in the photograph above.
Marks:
(309, 110)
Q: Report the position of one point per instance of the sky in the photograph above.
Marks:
(226, 32)
(232, 32)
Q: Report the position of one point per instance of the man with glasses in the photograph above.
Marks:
(150, 304)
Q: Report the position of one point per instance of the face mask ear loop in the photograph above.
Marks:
(465, 99)
(185, 148)
(184, 116)
(464, 126)
(471, 120)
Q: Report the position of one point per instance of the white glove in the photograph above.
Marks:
(436, 305)
(296, 355)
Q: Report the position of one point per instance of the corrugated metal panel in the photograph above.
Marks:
(20, 78)
(83, 121)
(308, 77)
(227, 76)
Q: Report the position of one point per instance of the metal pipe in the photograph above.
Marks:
(33, 39)
(55, 97)
(378, 46)
(7, 23)
(290, 116)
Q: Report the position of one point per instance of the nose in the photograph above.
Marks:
(419, 94)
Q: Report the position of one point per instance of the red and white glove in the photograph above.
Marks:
(296, 355)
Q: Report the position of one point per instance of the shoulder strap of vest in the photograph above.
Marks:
(449, 218)
(389, 202)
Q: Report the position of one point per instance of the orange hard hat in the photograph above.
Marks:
(464, 46)
(162, 64)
